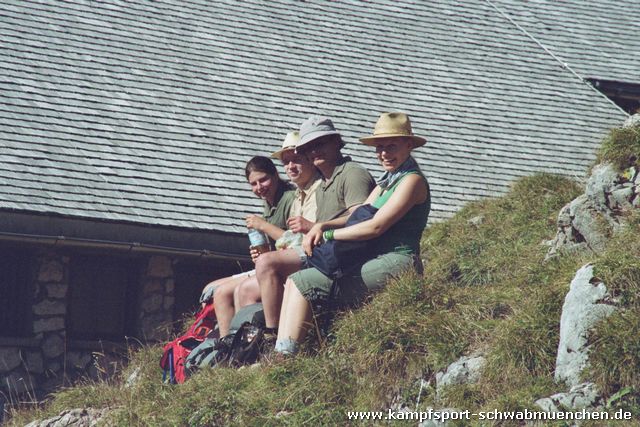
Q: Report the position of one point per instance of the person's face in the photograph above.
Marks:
(297, 167)
(392, 152)
(321, 150)
(263, 185)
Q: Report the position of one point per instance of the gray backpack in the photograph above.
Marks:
(240, 347)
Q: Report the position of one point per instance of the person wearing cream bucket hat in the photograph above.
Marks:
(391, 125)
(344, 186)
(290, 141)
(399, 208)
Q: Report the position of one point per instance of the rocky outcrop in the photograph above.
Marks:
(581, 396)
(587, 222)
(73, 418)
(587, 302)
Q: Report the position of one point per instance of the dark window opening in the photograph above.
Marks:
(102, 297)
(16, 290)
(624, 95)
(191, 276)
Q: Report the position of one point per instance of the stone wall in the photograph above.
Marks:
(157, 299)
(32, 366)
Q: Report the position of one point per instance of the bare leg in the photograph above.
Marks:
(223, 300)
(219, 282)
(247, 293)
(272, 269)
(295, 314)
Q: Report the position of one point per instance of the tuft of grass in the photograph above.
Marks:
(621, 148)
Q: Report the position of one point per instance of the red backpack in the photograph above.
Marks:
(176, 352)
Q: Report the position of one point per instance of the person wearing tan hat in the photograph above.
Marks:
(345, 186)
(402, 200)
(291, 256)
(281, 204)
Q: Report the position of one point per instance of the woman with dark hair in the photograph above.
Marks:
(278, 196)
(401, 202)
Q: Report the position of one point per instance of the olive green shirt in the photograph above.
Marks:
(349, 185)
(279, 212)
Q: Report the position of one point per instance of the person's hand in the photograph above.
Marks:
(312, 239)
(254, 254)
(256, 222)
(299, 224)
(207, 294)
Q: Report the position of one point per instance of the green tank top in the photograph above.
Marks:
(404, 236)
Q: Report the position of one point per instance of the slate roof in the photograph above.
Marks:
(145, 112)
(596, 38)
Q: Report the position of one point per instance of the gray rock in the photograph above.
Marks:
(73, 417)
(133, 378)
(581, 396)
(168, 302)
(620, 198)
(152, 303)
(154, 326)
(35, 362)
(583, 307)
(585, 225)
(602, 180)
(48, 324)
(79, 359)
(160, 266)
(48, 308)
(9, 359)
(53, 346)
(633, 120)
(564, 217)
(465, 370)
(51, 271)
(153, 286)
(476, 220)
(169, 286)
(57, 290)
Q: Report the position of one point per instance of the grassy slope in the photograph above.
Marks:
(485, 287)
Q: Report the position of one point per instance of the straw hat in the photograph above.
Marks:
(393, 125)
(289, 143)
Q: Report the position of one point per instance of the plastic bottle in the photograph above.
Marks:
(258, 241)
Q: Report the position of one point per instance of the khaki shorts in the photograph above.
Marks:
(355, 285)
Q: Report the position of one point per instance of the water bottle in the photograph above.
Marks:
(258, 241)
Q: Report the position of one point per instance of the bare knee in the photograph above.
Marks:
(247, 293)
(223, 295)
(266, 262)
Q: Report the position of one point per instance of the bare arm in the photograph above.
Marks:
(260, 224)
(411, 191)
(314, 236)
(299, 224)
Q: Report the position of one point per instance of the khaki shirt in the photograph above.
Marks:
(304, 203)
(349, 185)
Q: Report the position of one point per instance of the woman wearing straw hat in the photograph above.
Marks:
(403, 202)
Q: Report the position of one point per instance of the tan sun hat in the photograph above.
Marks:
(289, 143)
(392, 125)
